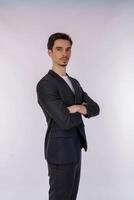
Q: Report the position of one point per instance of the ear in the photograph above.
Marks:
(49, 52)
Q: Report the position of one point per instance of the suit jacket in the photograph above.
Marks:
(65, 135)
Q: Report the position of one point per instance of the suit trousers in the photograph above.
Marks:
(64, 180)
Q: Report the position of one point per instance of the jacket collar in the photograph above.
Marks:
(53, 73)
(57, 76)
(63, 82)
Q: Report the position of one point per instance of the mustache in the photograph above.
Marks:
(64, 58)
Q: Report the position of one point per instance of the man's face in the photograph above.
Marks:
(60, 52)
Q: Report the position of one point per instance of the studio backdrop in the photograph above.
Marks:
(103, 62)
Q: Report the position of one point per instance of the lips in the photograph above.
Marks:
(64, 59)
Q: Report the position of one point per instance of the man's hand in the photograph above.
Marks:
(78, 108)
(82, 109)
(73, 108)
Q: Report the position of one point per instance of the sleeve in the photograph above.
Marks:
(91, 106)
(50, 102)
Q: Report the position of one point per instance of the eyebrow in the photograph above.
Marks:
(58, 47)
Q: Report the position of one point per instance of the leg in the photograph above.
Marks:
(76, 182)
(63, 181)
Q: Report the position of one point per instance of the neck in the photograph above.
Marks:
(59, 70)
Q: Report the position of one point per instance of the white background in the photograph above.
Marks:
(102, 60)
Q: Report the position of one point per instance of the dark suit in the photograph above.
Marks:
(65, 135)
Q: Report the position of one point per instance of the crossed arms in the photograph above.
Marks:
(65, 117)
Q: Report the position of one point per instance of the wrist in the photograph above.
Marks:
(78, 108)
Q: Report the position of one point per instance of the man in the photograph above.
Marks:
(63, 102)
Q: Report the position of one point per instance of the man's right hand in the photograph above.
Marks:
(73, 108)
(78, 108)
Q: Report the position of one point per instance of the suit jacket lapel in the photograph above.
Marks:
(77, 97)
(63, 83)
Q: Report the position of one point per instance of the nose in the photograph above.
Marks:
(64, 53)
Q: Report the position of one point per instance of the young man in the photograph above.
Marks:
(63, 102)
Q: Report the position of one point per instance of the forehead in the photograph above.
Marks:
(62, 43)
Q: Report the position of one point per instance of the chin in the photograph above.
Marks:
(63, 64)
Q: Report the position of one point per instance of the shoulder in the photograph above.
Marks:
(45, 80)
(46, 84)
